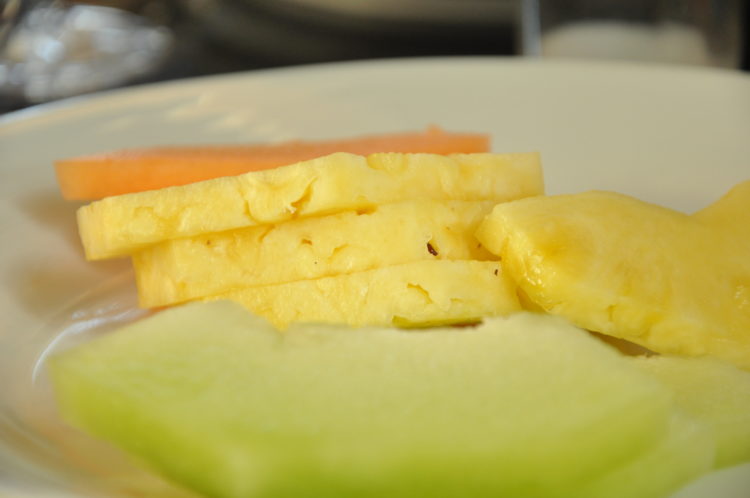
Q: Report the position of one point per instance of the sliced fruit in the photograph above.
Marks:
(217, 400)
(121, 225)
(612, 264)
(183, 269)
(418, 294)
(135, 170)
(728, 211)
(683, 454)
(713, 392)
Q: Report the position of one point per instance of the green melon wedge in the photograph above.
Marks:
(216, 399)
(711, 391)
(687, 451)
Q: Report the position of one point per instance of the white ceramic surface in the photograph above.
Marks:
(676, 136)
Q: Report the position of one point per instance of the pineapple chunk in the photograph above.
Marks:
(183, 269)
(730, 212)
(416, 294)
(121, 225)
(615, 265)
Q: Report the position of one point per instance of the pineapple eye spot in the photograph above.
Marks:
(306, 242)
(432, 248)
(366, 211)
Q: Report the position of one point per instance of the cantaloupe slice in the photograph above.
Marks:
(183, 269)
(417, 294)
(136, 170)
(217, 400)
(124, 224)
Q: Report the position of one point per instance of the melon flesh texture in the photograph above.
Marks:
(420, 294)
(124, 224)
(687, 451)
(184, 269)
(713, 392)
(216, 399)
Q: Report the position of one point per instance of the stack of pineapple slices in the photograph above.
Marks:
(386, 239)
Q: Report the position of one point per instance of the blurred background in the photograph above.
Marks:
(51, 49)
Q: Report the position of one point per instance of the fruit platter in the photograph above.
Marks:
(419, 278)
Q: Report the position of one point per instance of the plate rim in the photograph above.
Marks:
(113, 95)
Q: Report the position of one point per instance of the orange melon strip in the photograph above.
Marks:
(135, 170)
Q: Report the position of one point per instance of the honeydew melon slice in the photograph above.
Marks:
(216, 399)
(684, 453)
(713, 392)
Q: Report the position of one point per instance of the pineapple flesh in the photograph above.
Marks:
(419, 294)
(122, 225)
(667, 281)
(184, 269)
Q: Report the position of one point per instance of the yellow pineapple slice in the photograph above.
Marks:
(121, 225)
(418, 294)
(670, 282)
(730, 212)
(183, 269)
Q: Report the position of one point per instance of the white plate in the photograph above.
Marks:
(679, 137)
